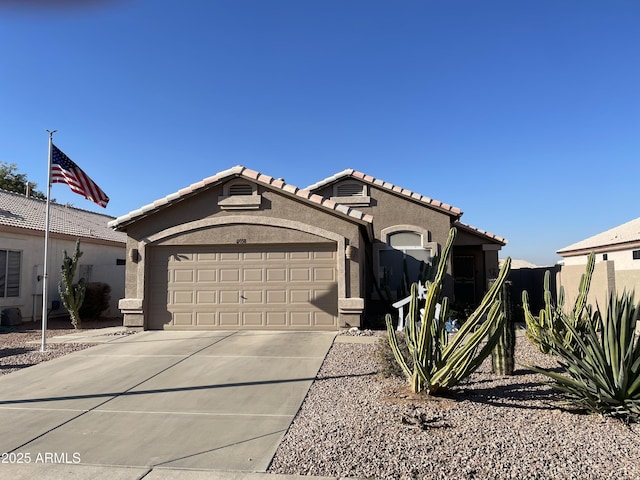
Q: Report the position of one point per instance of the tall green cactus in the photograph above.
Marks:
(440, 363)
(503, 355)
(72, 295)
(549, 327)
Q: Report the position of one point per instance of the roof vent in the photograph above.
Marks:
(240, 189)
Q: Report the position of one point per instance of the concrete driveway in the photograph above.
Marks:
(158, 400)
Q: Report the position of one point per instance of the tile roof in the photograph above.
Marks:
(19, 211)
(240, 171)
(350, 172)
(626, 233)
(478, 231)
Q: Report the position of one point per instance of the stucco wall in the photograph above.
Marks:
(602, 283)
(619, 272)
(98, 261)
(199, 220)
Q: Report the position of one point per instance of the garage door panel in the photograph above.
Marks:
(324, 274)
(276, 297)
(229, 297)
(183, 298)
(301, 319)
(252, 274)
(183, 276)
(183, 318)
(300, 274)
(229, 319)
(207, 275)
(206, 318)
(229, 275)
(276, 275)
(252, 319)
(206, 296)
(299, 296)
(323, 319)
(276, 319)
(253, 296)
(243, 287)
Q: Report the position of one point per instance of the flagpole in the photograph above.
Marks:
(45, 276)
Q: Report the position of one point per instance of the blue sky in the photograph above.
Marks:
(524, 114)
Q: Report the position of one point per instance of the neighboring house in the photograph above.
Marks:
(617, 265)
(245, 250)
(22, 229)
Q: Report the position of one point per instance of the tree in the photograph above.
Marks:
(13, 181)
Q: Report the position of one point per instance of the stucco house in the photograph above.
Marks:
(22, 229)
(244, 250)
(617, 267)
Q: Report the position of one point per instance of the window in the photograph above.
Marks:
(636, 254)
(10, 261)
(404, 259)
(605, 257)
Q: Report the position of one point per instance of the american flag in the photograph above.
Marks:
(63, 170)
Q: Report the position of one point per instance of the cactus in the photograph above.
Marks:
(72, 295)
(549, 327)
(503, 355)
(440, 363)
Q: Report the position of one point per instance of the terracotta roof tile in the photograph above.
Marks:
(388, 186)
(479, 231)
(238, 171)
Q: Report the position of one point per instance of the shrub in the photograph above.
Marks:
(601, 370)
(389, 367)
(96, 299)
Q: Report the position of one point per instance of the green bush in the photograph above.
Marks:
(96, 300)
(601, 368)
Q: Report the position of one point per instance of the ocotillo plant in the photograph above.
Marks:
(72, 295)
(549, 327)
(503, 355)
(440, 363)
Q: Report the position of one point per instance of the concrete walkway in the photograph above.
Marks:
(158, 405)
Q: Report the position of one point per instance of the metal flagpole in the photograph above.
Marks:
(45, 275)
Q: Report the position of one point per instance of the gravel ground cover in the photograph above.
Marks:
(17, 353)
(355, 423)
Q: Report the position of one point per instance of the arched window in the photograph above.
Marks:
(404, 258)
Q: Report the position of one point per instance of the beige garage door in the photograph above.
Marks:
(278, 287)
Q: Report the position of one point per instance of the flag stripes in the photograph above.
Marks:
(64, 170)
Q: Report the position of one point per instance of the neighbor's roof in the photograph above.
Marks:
(257, 177)
(482, 233)
(27, 213)
(350, 172)
(623, 236)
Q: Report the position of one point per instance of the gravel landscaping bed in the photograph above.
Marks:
(356, 423)
(17, 353)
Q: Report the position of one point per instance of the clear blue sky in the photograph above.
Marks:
(525, 114)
